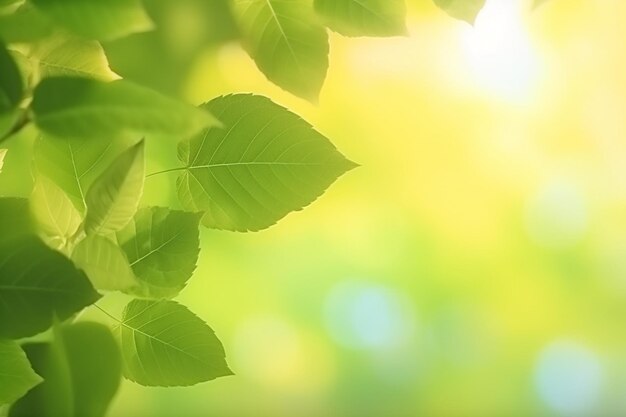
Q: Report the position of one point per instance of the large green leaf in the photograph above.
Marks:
(113, 199)
(364, 17)
(11, 86)
(64, 55)
(16, 375)
(165, 344)
(82, 372)
(461, 9)
(265, 163)
(26, 24)
(286, 42)
(88, 108)
(74, 164)
(15, 219)
(37, 284)
(54, 212)
(97, 19)
(162, 246)
(104, 263)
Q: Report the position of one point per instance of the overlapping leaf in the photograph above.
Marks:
(97, 19)
(461, 9)
(11, 87)
(15, 219)
(164, 344)
(162, 246)
(26, 24)
(364, 17)
(113, 199)
(264, 163)
(82, 372)
(87, 108)
(36, 285)
(286, 42)
(16, 374)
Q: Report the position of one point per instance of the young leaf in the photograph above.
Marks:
(113, 198)
(265, 163)
(86, 108)
(286, 42)
(37, 284)
(461, 9)
(55, 214)
(162, 246)
(97, 19)
(364, 17)
(165, 344)
(104, 263)
(64, 55)
(15, 219)
(16, 375)
(82, 372)
(3, 154)
(11, 87)
(74, 164)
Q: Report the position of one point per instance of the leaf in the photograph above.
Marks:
(74, 164)
(54, 212)
(265, 163)
(64, 55)
(461, 9)
(11, 86)
(162, 246)
(104, 263)
(97, 19)
(16, 375)
(3, 154)
(26, 24)
(87, 108)
(15, 219)
(113, 199)
(364, 17)
(165, 344)
(37, 284)
(82, 371)
(286, 42)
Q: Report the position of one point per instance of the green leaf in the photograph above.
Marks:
(54, 212)
(364, 17)
(36, 284)
(82, 372)
(97, 19)
(461, 9)
(286, 42)
(265, 163)
(16, 375)
(162, 246)
(87, 108)
(15, 219)
(104, 263)
(113, 199)
(26, 24)
(11, 86)
(165, 344)
(63, 55)
(3, 154)
(74, 164)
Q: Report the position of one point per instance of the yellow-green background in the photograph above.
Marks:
(474, 265)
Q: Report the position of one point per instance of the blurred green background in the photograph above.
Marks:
(474, 265)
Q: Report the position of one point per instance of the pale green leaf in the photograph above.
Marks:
(287, 43)
(3, 154)
(165, 344)
(87, 108)
(97, 19)
(74, 164)
(162, 246)
(37, 284)
(64, 55)
(54, 212)
(82, 372)
(16, 374)
(11, 86)
(113, 199)
(461, 9)
(364, 17)
(264, 163)
(104, 263)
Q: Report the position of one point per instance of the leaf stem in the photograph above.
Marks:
(165, 171)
